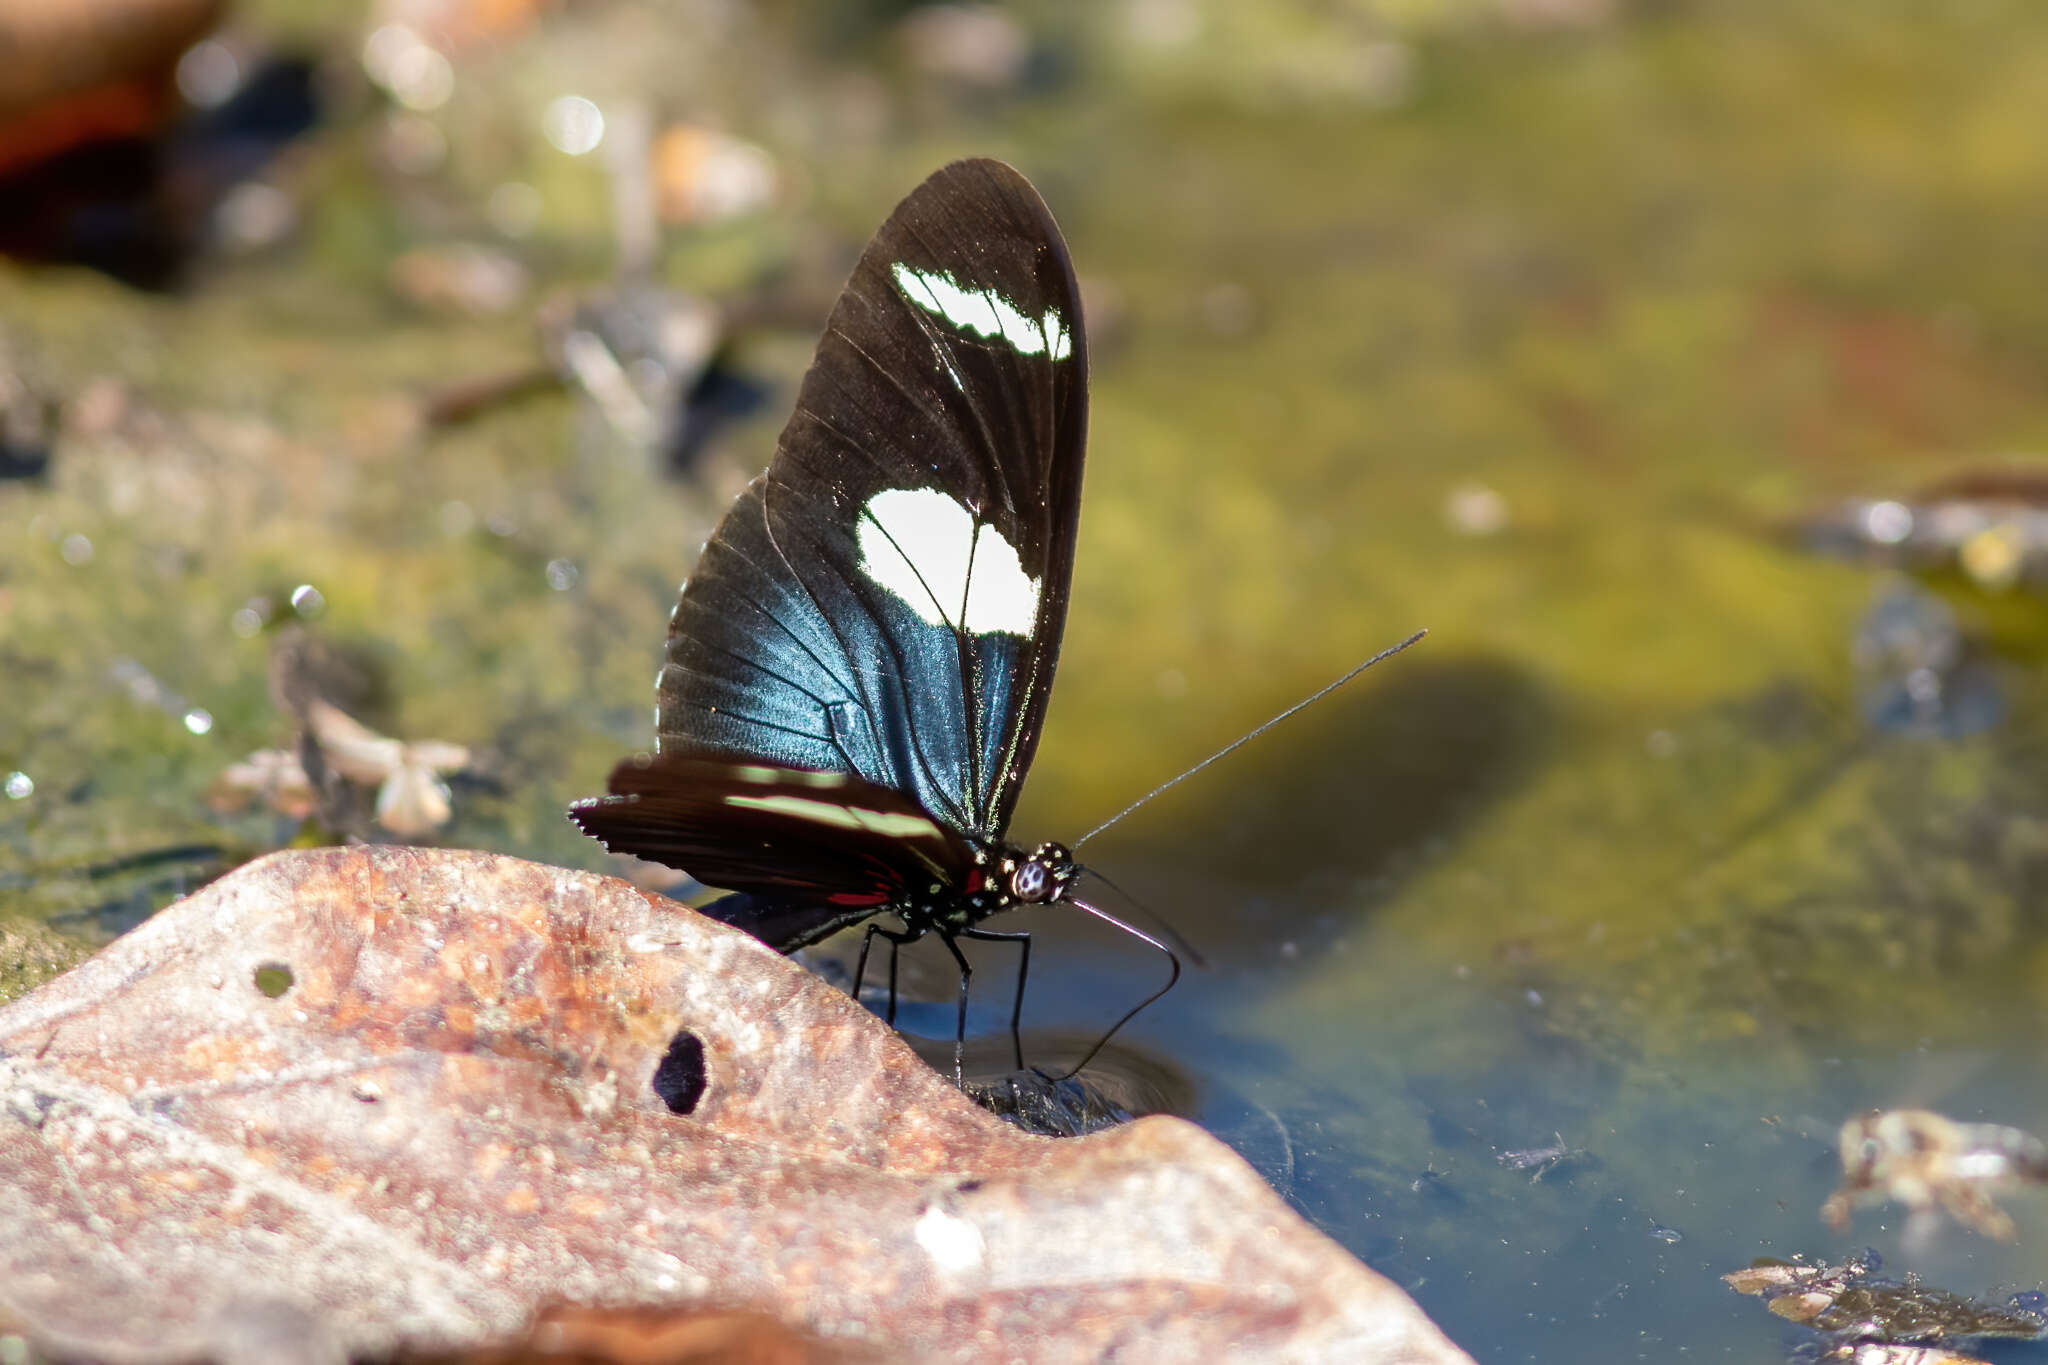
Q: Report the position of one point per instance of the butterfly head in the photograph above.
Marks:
(1044, 876)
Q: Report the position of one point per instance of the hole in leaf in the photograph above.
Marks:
(680, 1079)
(273, 978)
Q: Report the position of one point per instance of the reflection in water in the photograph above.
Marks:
(1051, 1106)
(1121, 1083)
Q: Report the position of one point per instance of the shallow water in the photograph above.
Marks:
(1632, 857)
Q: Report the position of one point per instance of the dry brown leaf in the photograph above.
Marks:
(373, 1099)
(84, 69)
(652, 1336)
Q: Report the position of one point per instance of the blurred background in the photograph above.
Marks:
(372, 370)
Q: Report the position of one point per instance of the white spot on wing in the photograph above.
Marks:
(985, 313)
(920, 544)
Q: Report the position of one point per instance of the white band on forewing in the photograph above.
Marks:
(985, 313)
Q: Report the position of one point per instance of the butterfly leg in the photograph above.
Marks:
(1022, 938)
(895, 953)
(860, 966)
(960, 1028)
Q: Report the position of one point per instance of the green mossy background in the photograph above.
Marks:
(1613, 848)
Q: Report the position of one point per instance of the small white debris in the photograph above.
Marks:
(573, 125)
(1887, 523)
(1473, 509)
(954, 1244)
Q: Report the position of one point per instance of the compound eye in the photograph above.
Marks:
(1031, 882)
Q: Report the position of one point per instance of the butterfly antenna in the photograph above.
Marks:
(1247, 738)
(1172, 936)
(1134, 1010)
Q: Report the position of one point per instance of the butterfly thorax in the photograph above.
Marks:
(1005, 877)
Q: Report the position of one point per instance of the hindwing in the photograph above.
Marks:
(815, 850)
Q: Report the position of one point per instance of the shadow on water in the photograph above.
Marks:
(1350, 796)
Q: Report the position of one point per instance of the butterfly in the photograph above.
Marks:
(858, 668)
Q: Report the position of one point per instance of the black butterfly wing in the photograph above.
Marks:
(814, 851)
(887, 599)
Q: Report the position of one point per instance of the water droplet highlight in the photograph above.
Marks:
(573, 125)
(208, 74)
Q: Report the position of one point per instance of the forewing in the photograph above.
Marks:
(887, 599)
(825, 848)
